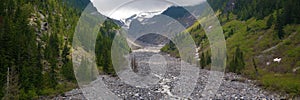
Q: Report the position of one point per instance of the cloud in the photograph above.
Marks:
(121, 9)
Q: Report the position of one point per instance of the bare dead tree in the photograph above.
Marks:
(12, 84)
(134, 64)
(7, 81)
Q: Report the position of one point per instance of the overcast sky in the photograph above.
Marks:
(121, 9)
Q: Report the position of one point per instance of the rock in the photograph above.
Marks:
(41, 16)
(228, 89)
(44, 26)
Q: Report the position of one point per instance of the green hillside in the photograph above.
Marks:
(35, 50)
(256, 32)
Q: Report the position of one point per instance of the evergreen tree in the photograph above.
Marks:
(237, 63)
(202, 61)
(279, 25)
(68, 72)
(230, 33)
(65, 53)
(67, 68)
(270, 21)
(255, 66)
(86, 72)
(208, 58)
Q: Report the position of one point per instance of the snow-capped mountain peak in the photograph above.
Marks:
(140, 17)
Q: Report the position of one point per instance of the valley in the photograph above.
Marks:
(233, 86)
(42, 57)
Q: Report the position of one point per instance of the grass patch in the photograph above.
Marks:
(59, 89)
(286, 83)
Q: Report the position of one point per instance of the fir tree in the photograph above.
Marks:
(202, 60)
(237, 63)
(279, 25)
(270, 21)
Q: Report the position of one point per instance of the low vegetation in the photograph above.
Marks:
(256, 33)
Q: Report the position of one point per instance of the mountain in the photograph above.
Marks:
(140, 17)
(262, 39)
(180, 14)
(159, 22)
(36, 46)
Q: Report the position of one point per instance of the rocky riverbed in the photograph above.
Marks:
(232, 86)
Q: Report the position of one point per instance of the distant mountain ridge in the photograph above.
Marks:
(181, 14)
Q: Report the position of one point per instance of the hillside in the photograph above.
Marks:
(35, 50)
(257, 32)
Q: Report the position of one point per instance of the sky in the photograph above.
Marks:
(122, 9)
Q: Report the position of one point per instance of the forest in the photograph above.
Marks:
(35, 50)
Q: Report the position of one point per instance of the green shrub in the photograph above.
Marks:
(282, 82)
